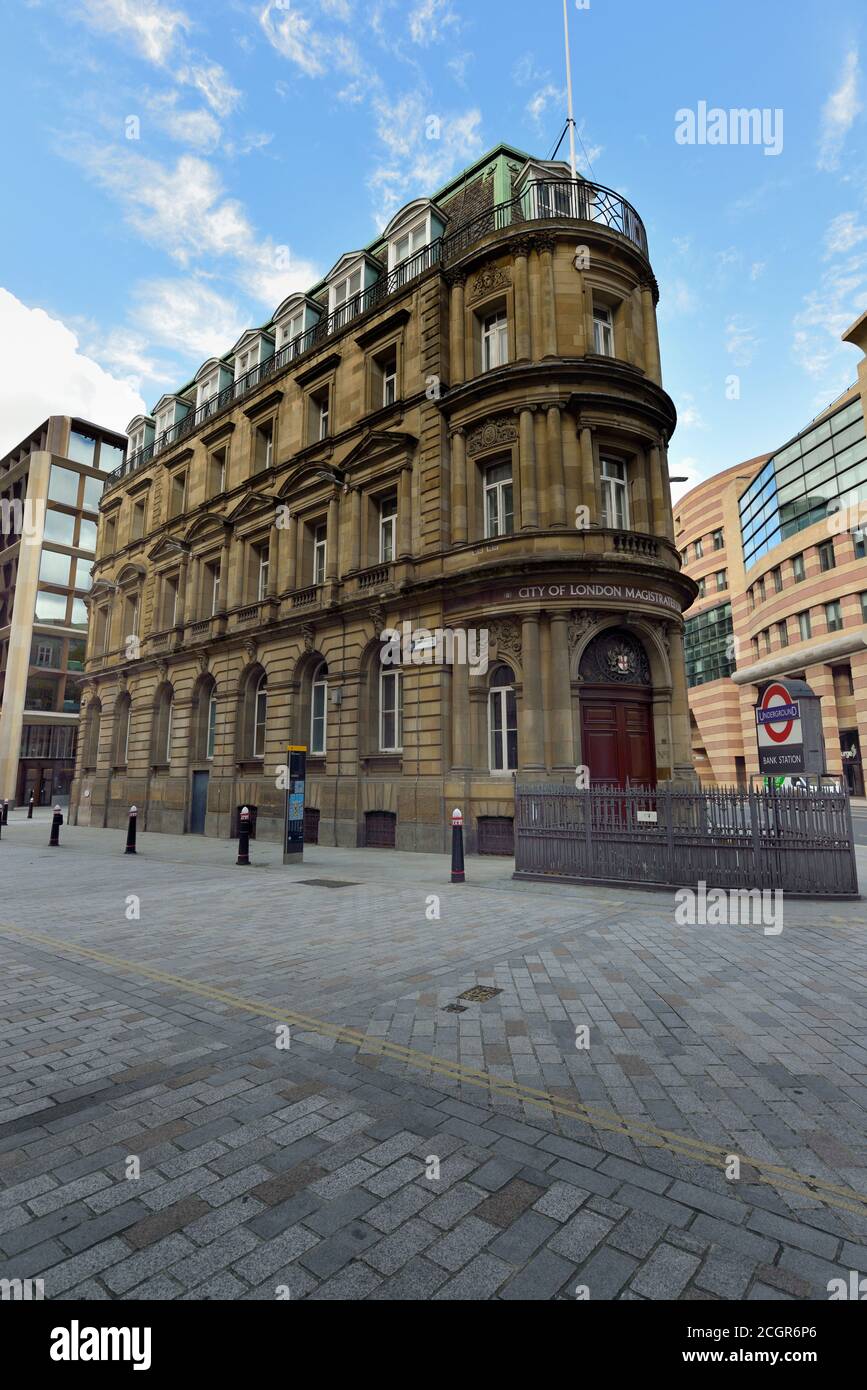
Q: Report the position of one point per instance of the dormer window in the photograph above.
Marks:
(409, 242)
(342, 291)
(416, 226)
(164, 419)
(206, 389)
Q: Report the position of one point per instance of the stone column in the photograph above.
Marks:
(658, 505)
(522, 302)
(273, 548)
(651, 341)
(332, 555)
(459, 486)
(355, 528)
(157, 614)
(191, 598)
(556, 480)
(233, 578)
(821, 679)
(549, 308)
(571, 467)
(289, 550)
(588, 476)
(527, 465)
(456, 332)
(460, 702)
(558, 695)
(404, 513)
(531, 738)
(639, 509)
(183, 581)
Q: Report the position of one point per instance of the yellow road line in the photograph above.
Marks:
(641, 1132)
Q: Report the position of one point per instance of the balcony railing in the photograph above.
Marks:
(579, 201)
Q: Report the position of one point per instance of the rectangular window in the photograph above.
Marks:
(761, 588)
(499, 509)
(495, 341)
(702, 586)
(778, 580)
(752, 599)
(864, 608)
(59, 527)
(219, 461)
(389, 380)
(805, 627)
(387, 529)
(170, 614)
(798, 571)
(179, 493)
(318, 707)
(615, 501)
(264, 446)
(603, 330)
(390, 712)
(834, 615)
(826, 556)
(323, 414)
(82, 448)
(718, 541)
(766, 636)
(137, 520)
(47, 654)
(213, 574)
(783, 633)
(130, 615)
(54, 568)
(699, 549)
(409, 243)
(721, 581)
(320, 551)
(109, 535)
(212, 726)
(263, 554)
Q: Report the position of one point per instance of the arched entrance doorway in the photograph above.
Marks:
(617, 710)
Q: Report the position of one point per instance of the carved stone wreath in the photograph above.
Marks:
(488, 280)
(491, 434)
(505, 635)
(615, 656)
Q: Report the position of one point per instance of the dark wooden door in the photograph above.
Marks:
(379, 829)
(617, 737)
(496, 835)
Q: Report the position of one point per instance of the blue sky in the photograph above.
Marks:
(272, 137)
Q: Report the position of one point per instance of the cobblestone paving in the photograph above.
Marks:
(308, 1170)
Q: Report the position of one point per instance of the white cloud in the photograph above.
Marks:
(67, 381)
(677, 297)
(838, 113)
(187, 315)
(688, 468)
(827, 312)
(844, 232)
(688, 414)
(458, 65)
(546, 96)
(741, 342)
(312, 51)
(757, 269)
(157, 33)
(153, 29)
(417, 164)
(429, 21)
(197, 128)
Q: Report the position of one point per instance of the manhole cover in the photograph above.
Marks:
(454, 1009)
(479, 994)
(327, 883)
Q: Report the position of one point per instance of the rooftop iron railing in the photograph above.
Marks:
(580, 201)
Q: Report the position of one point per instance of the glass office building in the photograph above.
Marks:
(822, 468)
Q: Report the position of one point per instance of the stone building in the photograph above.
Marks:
(778, 549)
(458, 436)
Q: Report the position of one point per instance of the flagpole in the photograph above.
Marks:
(571, 121)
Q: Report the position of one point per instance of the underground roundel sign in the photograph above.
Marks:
(778, 731)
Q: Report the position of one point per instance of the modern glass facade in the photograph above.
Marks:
(708, 652)
(798, 486)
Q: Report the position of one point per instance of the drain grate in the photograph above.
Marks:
(454, 1008)
(327, 882)
(479, 994)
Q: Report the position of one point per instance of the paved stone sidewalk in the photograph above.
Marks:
(309, 1170)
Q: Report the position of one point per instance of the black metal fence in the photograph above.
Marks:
(797, 841)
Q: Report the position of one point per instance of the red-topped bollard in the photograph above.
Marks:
(457, 847)
(30, 807)
(244, 836)
(130, 831)
(56, 822)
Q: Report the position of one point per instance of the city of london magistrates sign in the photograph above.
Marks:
(601, 593)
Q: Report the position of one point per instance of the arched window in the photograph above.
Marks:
(161, 744)
(260, 714)
(390, 712)
(319, 709)
(211, 734)
(122, 713)
(502, 721)
(94, 722)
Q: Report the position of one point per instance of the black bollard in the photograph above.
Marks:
(130, 831)
(5, 812)
(244, 837)
(30, 807)
(56, 822)
(457, 847)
